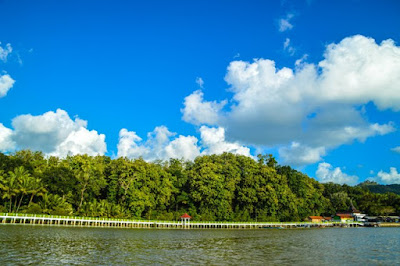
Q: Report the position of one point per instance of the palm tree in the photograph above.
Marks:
(50, 201)
(3, 184)
(103, 208)
(22, 178)
(2, 180)
(10, 187)
(36, 188)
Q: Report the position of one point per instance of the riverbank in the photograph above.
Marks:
(389, 224)
(33, 219)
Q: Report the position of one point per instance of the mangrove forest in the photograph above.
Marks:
(224, 187)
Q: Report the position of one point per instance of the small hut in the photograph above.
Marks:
(315, 219)
(185, 218)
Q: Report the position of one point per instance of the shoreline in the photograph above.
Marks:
(389, 224)
(76, 221)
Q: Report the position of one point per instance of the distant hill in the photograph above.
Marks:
(377, 188)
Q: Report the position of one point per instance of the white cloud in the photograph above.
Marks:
(358, 70)
(326, 173)
(158, 145)
(200, 82)
(288, 47)
(298, 154)
(396, 149)
(316, 105)
(286, 43)
(6, 142)
(213, 139)
(393, 177)
(183, 147)
(157, 141)
(197, 111)
(5, 51)
(6, 83)
(44, 132)
(299, 63)
(161, 144)
(284, 23)
(55, 133)
(82, 141)
(128, 145)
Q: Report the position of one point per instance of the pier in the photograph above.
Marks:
(54, 220)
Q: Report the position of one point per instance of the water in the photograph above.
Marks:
(47, 245)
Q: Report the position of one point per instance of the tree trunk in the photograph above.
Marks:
(30, 200)
(15, 203)
(20, 201)
(80, 204)
(10, 204)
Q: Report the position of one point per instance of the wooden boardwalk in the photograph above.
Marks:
(31, 219)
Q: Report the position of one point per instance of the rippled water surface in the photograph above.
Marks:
(51, 245)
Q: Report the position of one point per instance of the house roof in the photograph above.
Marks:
(353, 209)
(344, 215)
(315, 217)
(327, 218)
(186, 216)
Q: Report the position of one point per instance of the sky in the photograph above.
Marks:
(315, 83)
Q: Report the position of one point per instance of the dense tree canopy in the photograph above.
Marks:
(377, 188)
(224, 187)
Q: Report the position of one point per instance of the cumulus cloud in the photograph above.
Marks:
(298, 154)
(44, 132)
(55, 133)
(318, 106)
(6, 142)
(393, 177)
(326, 173)
(183, 147)
(213, 139)
(284, 23)
(158, 145)
(82, 141)
(6, 83)
(358, 70)
(161, 144)
(197, 111)
(5, 51)
(128, 145)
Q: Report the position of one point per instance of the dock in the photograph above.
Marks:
(75, 221)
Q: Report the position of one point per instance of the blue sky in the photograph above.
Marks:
(316, 83)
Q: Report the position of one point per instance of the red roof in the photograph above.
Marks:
(344, 215)
(315, 217)
(186, 216)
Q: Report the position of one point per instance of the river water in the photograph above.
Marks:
(51, 245)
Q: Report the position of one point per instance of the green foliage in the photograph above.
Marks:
(224, 187)
(376, 188)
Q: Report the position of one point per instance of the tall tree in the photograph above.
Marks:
(88, 173)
